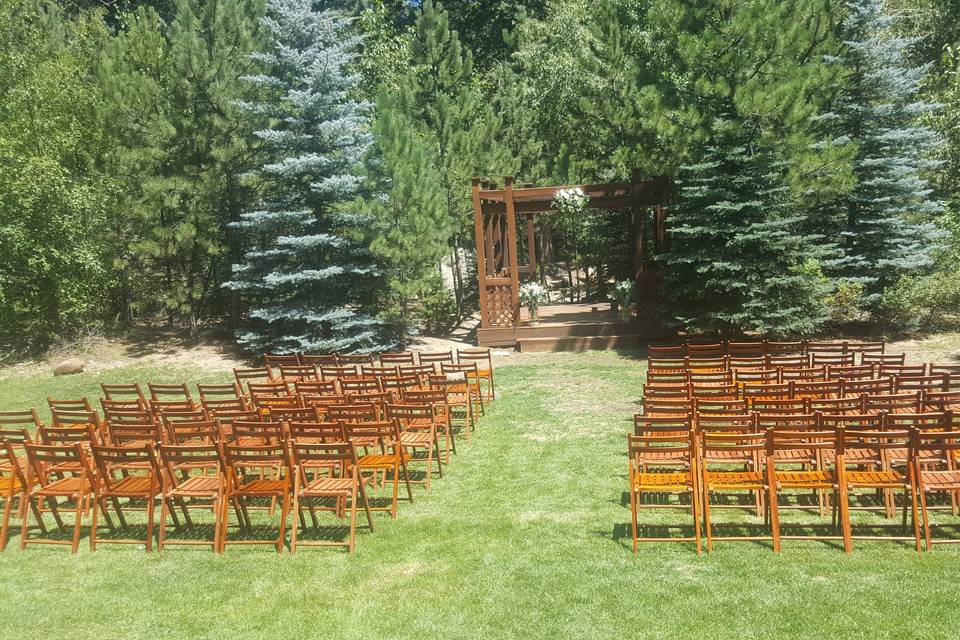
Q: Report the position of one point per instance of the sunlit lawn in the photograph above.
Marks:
(526, 536)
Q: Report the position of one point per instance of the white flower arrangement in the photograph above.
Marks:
(533, 294)
(623, 293)
(572, 201)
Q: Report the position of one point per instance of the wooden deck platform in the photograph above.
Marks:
(574, 327)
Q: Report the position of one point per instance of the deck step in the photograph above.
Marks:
(581, 343)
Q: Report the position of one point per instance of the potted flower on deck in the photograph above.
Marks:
(623, 293)
(533, 294)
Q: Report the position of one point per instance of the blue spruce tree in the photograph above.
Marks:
(882, 225)
(308, 278)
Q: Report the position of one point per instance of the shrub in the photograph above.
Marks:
(924, 302)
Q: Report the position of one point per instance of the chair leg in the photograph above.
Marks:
(151, 506)
(353, 519)
(706, 519)
(5, 524)
(633, 517)
(396, 490)
(926, 519)
(76, 526)
(93, 525)
(774, 517)
(162, 528)
(844, 500)
(284, 512)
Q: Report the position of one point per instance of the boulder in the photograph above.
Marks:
(68, 367)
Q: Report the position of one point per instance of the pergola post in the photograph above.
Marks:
(512, 245)
(481, 260)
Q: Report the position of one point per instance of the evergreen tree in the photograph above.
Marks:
(883, 222)
(411, 223)
(308, 278)
(738, 257)
(183, 146)
(737, 260)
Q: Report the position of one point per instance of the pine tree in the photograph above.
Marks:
(737, 260)
(411, 223)
(883, 222)
(183, 145)
(308, 277)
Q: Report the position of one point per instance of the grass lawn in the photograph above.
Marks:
(526, 536)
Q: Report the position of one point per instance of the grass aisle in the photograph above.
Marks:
(525, 537)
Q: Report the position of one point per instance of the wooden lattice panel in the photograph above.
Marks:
(649, 294)
(500, 310)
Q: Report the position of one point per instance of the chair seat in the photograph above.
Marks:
(732, 480)
(8, 483)
(63, 487)
(381, 460)
(132, 486)
(731, 457)
(197, 486)
(880, 479)
(674, 481)
(328, 487)
(416, 439)
(815, 479)
(941, 479)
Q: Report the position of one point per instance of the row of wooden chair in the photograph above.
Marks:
(801, 388)
(480, 361)
(761, 348)
(773, 458)
(725, 363)
(781, 372)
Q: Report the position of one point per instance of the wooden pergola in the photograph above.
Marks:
(499, 212)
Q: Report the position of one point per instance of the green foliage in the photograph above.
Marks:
(411, 225)
(53, 200)
(923, 302)
(183, 147)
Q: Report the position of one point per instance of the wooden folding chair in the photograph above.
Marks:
(421, 371)
(315, 387)
(244, 433)
(676, 390)
(343, 484)
(897, 359)
(484, 361)
(49, 481)
(391, 458)
(746, 349)
(316, 432)
(355, 358)
(273, 362)
(199, 433)
(781, 445)
(459, 396)
(718, 449)
(127, 393)
(13, 485)
(877, 347)
(666, 352)
(908, 402)
(18, 428)
(436, 399)
(719, 406)
(399, 358)
(417, 425)
(894, 370)
(131, 473)
(825, 347)
(350, 386)
(862, 445)
(705, 350)
(796, 361)
(832, 359)
(256, 375)
(951, 372)
(680, 481)
(319, 359)
(246, 481)
(815, 373)
(738, 363)
(396, 385)
(666, 406)
(436, 358)
(195, 478)
(471, 380)
(846, 372)
(164, 394)
(871, 386)
(300, 372)
(778, 406)
(374, 371)
(775, 348)
(920, 383)
(134, 430)
(816, 388)
(934, 445)
(842, 406)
